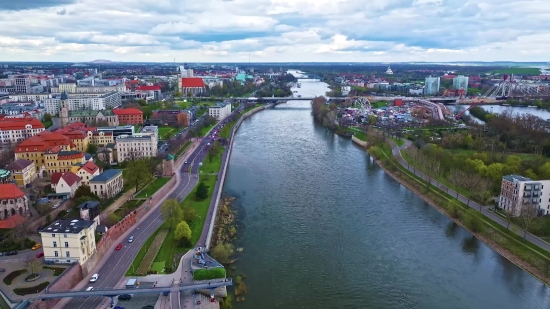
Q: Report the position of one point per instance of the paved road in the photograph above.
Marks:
(396, 151)
(21, 256)
(55, 124)
(117, 262)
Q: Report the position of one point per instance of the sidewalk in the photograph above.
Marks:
(396, 151)
(119, 202)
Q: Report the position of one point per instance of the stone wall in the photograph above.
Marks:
(67, 281)
(358, 141)
(33, 226)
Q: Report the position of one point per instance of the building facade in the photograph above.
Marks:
(191, 86)
(136, 146)
(517, 191)
(22, 171)
(94, 117)
(74, 88)
(83, 101)
(107, 184)
(69, 241)
(88, 171)
(14, 130)
(431, 85)
(219, 111)
(129, 115)
(12, 201)
(65, 183)
(169, 118)
(460, 82)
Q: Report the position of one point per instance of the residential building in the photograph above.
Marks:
(13, 201)
(431, 85)
(22, 84)
(169, 118)
(65, 183)
(117, 131)
(107, 184)
(29, 97)
(191, 86)
(69, 241)
(129, 115)
(14, 130)
(83, 101)
(22, 171)
(149, 93)
(79, 138)
(88, 171)
(517, 191)
(90, 210)
(185, 72)
(74, 88)
(151, 130)
(460, 82)
(136, 146)
(101, 138)
(220, 110)
(22, 110)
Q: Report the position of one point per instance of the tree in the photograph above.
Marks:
(137, 173)
(83, 190)
(47, 117)
(91, 149)
(202, 191)
(527, 214)
(32, 264)
(511, 212)
(171, 212)
(222, 252)
(189, 214)
(183, 232)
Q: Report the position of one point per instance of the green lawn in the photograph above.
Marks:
(205, 129)
(207, 274)
(398, 141)
(518, 71)
(158, 267)
(164, 132)
(358, 133)
(141, 254)
(379, 104)
(153, 187)
(184, 105)
(47, 124)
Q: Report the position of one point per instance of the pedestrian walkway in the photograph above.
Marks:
(396, 151)
(119, 202)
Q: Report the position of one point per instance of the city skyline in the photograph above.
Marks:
(274, 31)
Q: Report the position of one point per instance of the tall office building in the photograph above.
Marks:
(461, 82)
(431, 85)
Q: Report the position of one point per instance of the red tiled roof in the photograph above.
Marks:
(148, 88)
(70, 178)
(192, 82)
(9, 191)
(7, 124)
(55, 178)
(90, 167)
(127, 111)
(12, 221)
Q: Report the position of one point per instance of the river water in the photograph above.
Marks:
(322, 226)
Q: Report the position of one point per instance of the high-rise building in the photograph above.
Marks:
(461, 82)
(431, 85)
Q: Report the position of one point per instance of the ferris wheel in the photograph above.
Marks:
(363, 104)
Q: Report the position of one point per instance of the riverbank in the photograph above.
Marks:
(506, 245)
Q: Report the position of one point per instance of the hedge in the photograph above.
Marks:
(207, 274)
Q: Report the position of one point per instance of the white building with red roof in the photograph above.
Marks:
(191, 86)
(65, 183)
(148, 92)
(14, 130)
(88, 171)
(14, 206)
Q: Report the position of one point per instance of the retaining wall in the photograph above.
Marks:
(67, 281)
(224, 169)
(359, 142)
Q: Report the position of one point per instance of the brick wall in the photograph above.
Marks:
(67, 281)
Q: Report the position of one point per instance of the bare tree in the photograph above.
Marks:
(527, 214)
(32, 264)
(511, 212)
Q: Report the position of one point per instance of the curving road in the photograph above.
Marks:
(114, 264)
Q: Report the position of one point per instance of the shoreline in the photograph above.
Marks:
(532, 270)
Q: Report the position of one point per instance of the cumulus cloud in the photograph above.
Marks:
(275, 30)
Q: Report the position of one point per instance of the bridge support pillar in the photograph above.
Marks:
(112, 301)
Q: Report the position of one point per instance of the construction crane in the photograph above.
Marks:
(457, 117)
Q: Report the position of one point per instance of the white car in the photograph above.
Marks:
(89, 289)
(94, 279)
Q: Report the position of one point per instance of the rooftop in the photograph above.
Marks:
(127, 111)
(10, 191)
(88, 205)
(19, 164)
(106, 176)
(516, 178)
(74, 226)
(192, 82)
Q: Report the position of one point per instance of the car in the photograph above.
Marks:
(148, 307)
(118, 307)
(118, 247)
(131, 239)
(1, 253)
(124, 297)
(185, 162)
(94, 278)
(89, 289)
(39, 255)
(11, 253)
(36, 247)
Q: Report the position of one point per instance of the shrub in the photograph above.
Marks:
(31, 290)
(56, 270)
(14, 274)
(207, 274)
(473, 223)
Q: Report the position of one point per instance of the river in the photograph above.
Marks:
(323, 226)
(542, 113)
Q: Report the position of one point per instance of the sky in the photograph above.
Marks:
(275, 30)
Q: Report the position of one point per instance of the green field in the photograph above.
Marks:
(166, 132)
(153, 187)
(205, 129)
(141, 254)
(379, 104)
(518, 71)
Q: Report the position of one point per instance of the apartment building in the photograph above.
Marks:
(22, 172)
(69, 241)
(219, 111)
(22, 84)
(107, 184)
(460, 82)
(129, 115)
(13, 201)
(170, 118)
(74, 88)
(149, 92)
(14, 130)
(431, 85)
(136, 146)
(517, 191)
(87, 171)
(83, 101)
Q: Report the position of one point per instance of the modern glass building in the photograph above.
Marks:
(431, 85)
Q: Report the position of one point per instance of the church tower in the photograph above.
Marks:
(63, 110)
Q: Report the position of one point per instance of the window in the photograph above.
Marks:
(55, 244)
(65, 235)
(66, 245)
(55, 253)
(67, 254)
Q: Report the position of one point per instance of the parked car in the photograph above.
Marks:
(36, 247)
(94, 278)
(11, 253)
(2, 270)
(124, 297)
(131, 239)
(118, 307)
(118, 247)
(39, 255)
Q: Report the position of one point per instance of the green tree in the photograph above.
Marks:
(189, 214)
(47, 117)
(182, 232)
(202, 191)
(137, 173)
(91, 149)
(222, 252)
(83, 190)
(171, 212)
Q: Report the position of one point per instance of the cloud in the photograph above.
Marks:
(275, 30)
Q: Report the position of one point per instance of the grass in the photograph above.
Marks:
(184, 105)
(149, 258)
(56, 270)
(398, 141)
(165, 132)
(153, 187)
(158, 267)
(14, 274)
(182, 149)
(379, 104)
(47, 123)
(207, 274)
(141, 254)
(31, 290)
(127, 208)
(205, 129)
(519, 71)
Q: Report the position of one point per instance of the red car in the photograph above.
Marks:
(39, 255)
(118, 247)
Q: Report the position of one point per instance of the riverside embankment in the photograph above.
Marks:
(322, 225)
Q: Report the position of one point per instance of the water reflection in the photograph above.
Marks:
(451, 229)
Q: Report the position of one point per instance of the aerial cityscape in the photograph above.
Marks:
(274, 154)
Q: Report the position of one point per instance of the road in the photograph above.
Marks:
(117, 262)
(55, 124)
